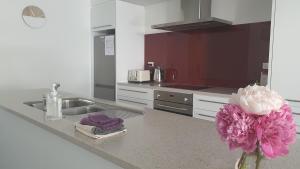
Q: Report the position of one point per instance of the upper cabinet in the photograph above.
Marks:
(285, 54)
(103, 15)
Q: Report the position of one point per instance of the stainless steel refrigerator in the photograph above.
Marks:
(104, 65)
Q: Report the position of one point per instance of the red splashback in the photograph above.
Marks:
(226, 57)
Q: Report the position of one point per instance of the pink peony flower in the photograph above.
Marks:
(258, 100)
(276, 131)
(237, 128)
(257, 120)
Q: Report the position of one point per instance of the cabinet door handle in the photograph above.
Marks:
(128, 90)
(133, 102)
(171, 107)
(105, 86)
(293, 100)
(103, 26)
(210, 101)
(206, 116)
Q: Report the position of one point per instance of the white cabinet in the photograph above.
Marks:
(284, 54)
(135, 96)
(206, 107)
(103, 15)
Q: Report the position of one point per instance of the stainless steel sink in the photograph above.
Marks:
(74, 107)
(67, 103)
(81, 110)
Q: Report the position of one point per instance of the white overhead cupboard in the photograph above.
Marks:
(103, 15)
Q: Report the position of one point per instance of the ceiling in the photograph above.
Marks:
(144, 2)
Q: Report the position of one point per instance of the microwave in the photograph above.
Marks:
(138, 75)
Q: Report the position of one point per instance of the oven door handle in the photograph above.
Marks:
(171, 107)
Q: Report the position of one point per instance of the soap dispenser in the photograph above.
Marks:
(54, 104)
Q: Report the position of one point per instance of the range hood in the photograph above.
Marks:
(197, 15)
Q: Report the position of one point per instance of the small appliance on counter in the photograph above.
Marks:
(158, 75)
(138, 76)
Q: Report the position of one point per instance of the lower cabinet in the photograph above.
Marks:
(206, 107)
(135, 96)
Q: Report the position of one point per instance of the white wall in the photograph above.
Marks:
(59, 52)
(237, 11)
(130, 30)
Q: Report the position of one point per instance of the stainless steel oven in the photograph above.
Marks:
(180, 103)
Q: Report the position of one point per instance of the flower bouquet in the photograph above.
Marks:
(259, 121)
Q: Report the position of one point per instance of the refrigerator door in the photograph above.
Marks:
(104, 68)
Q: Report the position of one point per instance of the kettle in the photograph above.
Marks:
(157, 75)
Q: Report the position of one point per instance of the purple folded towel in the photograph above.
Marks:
(102, 121)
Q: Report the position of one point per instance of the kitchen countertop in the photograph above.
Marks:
(155, 140)
(213, 91)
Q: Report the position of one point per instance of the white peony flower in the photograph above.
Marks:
(258, 100)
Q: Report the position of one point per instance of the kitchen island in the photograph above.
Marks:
(154, 140)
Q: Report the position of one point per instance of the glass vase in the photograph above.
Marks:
(249, 161)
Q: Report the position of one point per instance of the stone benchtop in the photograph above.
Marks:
(155, 140)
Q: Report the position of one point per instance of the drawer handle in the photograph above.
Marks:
(132, 101)
(171, 107)
(105, 86)
(206, 115)
(128, 90)
(103, 26)
(210, 101)
(297, 101)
